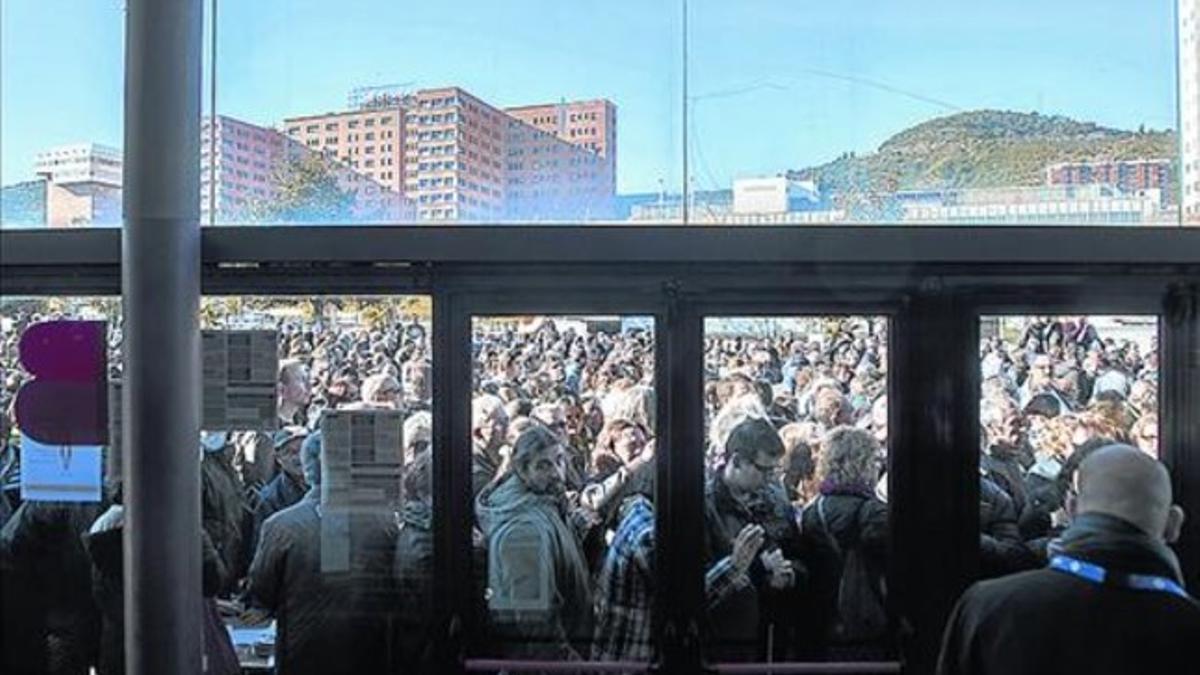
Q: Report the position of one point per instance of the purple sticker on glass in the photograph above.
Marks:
(66, 401)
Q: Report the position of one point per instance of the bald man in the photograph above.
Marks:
(1111, 600)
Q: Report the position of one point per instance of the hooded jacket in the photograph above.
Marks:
(413, 572)
(539, 603)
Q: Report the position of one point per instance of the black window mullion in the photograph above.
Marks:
(933, 487)
(452, 575)
(1179, 419)
(680, 492)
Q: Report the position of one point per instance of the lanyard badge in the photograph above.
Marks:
(1096, 574)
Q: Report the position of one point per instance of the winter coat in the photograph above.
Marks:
(1001, 549)
(540, 603)
(1050, 621)
(741, 626)
(483, 470)
(282, 492)
(413, 572)
(855, 517)
(223, 509)
(331, 618)
(103, 542)
(50, 624)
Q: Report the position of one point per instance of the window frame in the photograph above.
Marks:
(933, 282)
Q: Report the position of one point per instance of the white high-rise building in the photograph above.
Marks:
(80, 163)
(1189, 107)
(80, 185)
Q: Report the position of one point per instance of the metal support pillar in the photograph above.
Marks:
(161, 297)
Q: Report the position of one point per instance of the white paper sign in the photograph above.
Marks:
(60, 473)
(240, 371)
(361, 471)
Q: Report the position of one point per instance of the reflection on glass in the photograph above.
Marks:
(797, 447)
(562, 466)
(952, 118)
(874, 118)
(61, 114)
(1055, 389)
(338, 548)
(61, 565)
(316, 530)
(376, 131)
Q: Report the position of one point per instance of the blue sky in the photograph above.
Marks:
(775, 84)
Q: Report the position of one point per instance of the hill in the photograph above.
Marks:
(978, 149)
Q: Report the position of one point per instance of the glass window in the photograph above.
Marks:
(796, 514)
(1055, 389)
(61, 114)
(939, 112)
(320, 516)
(59, 505)
(337, 557)
(563, 426)
(485, 84)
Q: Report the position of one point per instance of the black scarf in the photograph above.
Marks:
(1115, 543)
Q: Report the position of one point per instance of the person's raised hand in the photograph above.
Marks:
(746, 546)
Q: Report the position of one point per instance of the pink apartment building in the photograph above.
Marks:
(246, 159)
(455, 157)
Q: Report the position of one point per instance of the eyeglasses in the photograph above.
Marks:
(765, 469)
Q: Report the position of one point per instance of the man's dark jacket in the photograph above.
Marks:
(1001, 550)
(740, 626)
(330, 620)
(1047, 621)
(282, 492)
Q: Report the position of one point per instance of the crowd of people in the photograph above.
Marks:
(563, 422)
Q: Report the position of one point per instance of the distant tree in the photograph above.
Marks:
(306, 191)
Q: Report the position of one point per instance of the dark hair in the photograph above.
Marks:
(524, 408)
(1045, 405)
(534, 439)
(751, 437)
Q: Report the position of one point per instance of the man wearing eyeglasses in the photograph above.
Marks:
(745, 489)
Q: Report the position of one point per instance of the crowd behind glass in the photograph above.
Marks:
(563, 442)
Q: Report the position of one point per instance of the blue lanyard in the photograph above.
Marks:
(1098, 575)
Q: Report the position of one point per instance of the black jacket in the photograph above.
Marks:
(1001, 550)
(49, 622)
(740, 625)
(103, 543)
(1052, 622)
(854, 520)
(223, 509)
(282, 492)
(331, 612)
(413, 572)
